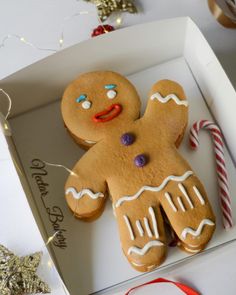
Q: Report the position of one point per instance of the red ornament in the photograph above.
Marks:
(102, 29)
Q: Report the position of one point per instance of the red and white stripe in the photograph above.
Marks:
(220, 165)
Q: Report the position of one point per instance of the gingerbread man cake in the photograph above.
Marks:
(135, 161)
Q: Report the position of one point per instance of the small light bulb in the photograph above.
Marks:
(50, 239)
(61, 41)
(73, 173)
(50, 263)
(22, 39)
(118, 20)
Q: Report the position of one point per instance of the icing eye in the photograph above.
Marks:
(110, 86)
(86, 104)
(82, 97)
(111, 94)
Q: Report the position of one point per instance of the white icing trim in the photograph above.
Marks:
(168, 197)
(139, 227)
(143, 251)
(193, 246)
(90, 141)
(181, 204)
(154, 222)
(172, 96)
(192, 250)
(154, 188)
(141, 264)
(200, 197)
(114, 209)
(137, 264)
(78, 195)
(129, 227)
(147, 227)
(151, 266)
(198, 231)
(183, 190)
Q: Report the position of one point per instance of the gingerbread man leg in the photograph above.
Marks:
(142, 232)
(189, 212)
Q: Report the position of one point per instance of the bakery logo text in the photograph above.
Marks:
(55, 214)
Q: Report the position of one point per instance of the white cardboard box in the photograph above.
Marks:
(88, 255)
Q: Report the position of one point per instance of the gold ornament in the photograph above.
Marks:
(18, 274)
(106, 7)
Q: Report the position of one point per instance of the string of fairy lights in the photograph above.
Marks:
(6, 128)
(61, 39)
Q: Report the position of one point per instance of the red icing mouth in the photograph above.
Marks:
(108, 114)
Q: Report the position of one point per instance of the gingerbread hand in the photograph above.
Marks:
(167, 104)
(86, 191)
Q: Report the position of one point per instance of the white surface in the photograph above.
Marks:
(16, 55)
(90, 240)
(63, 67)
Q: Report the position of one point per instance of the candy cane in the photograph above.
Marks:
(220, 165)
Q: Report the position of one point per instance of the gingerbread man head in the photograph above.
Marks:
(97, 103)
(137, 162)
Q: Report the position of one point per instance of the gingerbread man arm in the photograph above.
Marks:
(167, 106)
(86, 188)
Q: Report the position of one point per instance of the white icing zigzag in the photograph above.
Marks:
(172, 96)
(198, 231)
(143, 251)
(78, 195)
(153, 189)
(90, 141)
